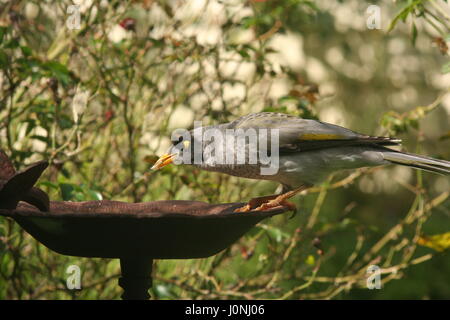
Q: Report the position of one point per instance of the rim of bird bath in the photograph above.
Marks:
(135, 233)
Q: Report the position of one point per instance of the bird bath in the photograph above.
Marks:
(135, 233)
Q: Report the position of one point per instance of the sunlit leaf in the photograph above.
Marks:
(438, 242)
(310, 260)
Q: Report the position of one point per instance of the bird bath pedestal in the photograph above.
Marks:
(135, 233)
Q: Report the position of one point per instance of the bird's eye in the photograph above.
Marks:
(177, 141)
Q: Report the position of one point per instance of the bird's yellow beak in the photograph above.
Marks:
(163, 161)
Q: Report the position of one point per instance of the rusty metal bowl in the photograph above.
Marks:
(160, 229)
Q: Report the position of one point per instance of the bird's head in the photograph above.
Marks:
(181, 151)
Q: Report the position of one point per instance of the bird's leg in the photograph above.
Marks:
(255, 203)
(273, 201)
(281, 200)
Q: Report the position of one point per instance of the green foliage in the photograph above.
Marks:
(433, 15)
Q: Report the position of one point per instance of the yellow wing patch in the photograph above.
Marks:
(320, 136)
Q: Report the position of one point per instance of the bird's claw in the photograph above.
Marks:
(271, 204)
(273, 201)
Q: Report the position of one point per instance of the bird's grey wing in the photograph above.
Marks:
(298, 135)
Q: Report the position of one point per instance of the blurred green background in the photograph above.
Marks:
(97, 89)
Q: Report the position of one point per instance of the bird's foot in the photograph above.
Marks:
(255, 203)
(276, 203)
(266, 203)
(273, 201)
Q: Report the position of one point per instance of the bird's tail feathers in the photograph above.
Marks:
(419, 162)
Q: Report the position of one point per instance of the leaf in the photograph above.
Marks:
(58, 70)
(3, 59)
(276, 233)
(12, 44)
(49, 184)
(95, 195)
(312, 5)
(306, 111)
(31, 124)
(2, 33)
(40, 138)
(26, 51)
(282, 109)
(310, 260)
(403, 14)
(78, 192)
(243, 54)
(248, 22)
(413, 34)
(286, 98)
(438, 242)
(65, 122)
(67, 191)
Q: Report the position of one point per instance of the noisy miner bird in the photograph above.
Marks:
(306, 153)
